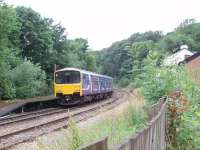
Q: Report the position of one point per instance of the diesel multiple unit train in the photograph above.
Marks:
(72, 85)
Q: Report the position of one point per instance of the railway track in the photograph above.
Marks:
(16, 117)
(20, 128)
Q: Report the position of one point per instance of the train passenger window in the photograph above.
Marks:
(102, 84)
(86, 81)
(67, 77)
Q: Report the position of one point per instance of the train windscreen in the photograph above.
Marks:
(67, 77)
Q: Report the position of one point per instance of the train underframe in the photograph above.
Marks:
(66, 100)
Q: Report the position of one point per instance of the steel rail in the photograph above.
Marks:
(63, 121)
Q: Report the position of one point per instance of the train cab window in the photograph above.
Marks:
(67, 77)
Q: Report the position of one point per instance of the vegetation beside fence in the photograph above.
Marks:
(117, 124)
(183, 117)
(150, 137)
(184, 107)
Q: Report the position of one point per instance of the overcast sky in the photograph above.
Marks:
(103, 22)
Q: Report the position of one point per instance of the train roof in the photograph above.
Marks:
(84, 71)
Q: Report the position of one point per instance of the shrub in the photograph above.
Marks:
(157, 81)
(184, 124)
(29, 80)
(75, 140)
(123, 82)
(7, 90)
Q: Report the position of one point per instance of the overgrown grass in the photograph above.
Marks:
(117, 125)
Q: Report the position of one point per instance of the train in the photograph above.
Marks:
(73, 85)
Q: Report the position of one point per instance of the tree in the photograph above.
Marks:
(186, 23)
(9, 27)
(35, 36)
(30, 44)
(121, 58)
(8, 48)
(81, 44)
(29, 80)
(173, 41)
(150, 35)
(91, 62)
(191, 29)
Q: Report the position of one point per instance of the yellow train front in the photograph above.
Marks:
(72, 85)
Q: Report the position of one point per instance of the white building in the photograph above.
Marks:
(178, 57)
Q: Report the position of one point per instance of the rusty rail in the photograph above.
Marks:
(151, 137)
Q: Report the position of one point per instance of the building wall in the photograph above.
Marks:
(193, 67)
(194, 64)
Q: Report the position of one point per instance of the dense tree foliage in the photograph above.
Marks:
(35, 36)
(9, 27)
(28, 39)
(137, 62)
(28, 80)
(30, 46)
(45, 43)
(125, 60)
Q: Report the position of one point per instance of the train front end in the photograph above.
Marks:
(67, 85)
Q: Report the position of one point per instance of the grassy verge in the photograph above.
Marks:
(117, 125)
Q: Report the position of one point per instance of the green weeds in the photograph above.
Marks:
(117, 125)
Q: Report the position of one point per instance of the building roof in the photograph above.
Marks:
(188, 59)
(177, 57)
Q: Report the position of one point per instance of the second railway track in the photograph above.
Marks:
(20, 128)
(28, 115)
